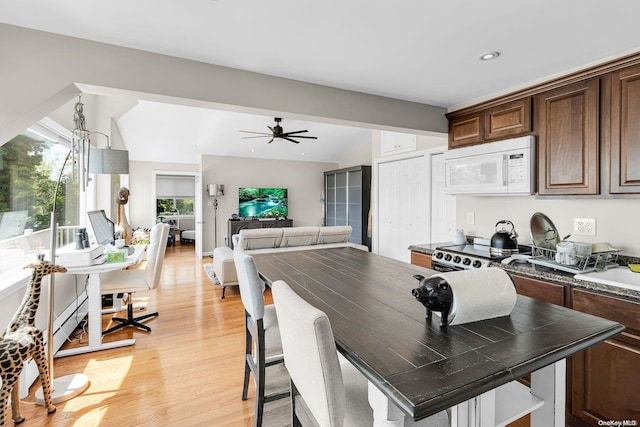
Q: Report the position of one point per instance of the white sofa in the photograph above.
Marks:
(266, 240)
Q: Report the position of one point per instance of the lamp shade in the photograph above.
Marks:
(215, 190)
(109, 161)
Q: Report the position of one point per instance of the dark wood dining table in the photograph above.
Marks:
(417, 368)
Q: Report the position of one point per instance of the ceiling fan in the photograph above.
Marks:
(278, 133)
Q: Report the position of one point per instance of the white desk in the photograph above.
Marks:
(94, 296)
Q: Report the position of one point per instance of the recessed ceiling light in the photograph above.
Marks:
(489, 56)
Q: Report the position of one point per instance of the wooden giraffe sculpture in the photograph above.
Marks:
(126, 232)
(23, 341)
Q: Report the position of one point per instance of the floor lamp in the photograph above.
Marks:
(68, 386)
(215, 190)
(103, 161)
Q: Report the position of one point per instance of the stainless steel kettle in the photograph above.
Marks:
(504, 242)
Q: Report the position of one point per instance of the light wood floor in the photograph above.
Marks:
(186, 372)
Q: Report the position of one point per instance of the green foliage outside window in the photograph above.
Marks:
(183, 206)
(29, 169)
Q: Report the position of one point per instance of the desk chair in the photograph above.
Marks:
(262, 333)
(129, 281)
(326, 390)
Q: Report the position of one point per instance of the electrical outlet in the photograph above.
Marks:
(584, 226)
(471, 218)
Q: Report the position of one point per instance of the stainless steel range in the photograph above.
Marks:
(467, 257)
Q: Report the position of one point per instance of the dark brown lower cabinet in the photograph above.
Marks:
(539, 289)
(423, 260)
(602, 381)
(605, 377)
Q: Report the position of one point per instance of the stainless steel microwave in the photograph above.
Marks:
(498, 168)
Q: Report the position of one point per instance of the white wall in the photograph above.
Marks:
(359, 156)
(616, 220)
(303, 179)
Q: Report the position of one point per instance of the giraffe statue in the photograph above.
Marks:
(23, 341)
(124, 228)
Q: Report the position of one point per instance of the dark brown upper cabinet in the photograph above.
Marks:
(508, 120)
(625, 131)
(466, 130)
(568, 139)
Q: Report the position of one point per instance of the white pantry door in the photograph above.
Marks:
(414, 205)
(388, 208)
(403, 206)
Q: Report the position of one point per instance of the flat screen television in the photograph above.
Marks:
(103, 227)
(262, 202)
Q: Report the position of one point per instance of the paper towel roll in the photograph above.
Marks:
(479, 294)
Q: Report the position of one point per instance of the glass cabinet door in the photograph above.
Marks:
(341, 198)
(347, 200)
(330, 200)
(354, 207)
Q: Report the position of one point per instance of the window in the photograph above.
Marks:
(30, 165)
(182, 206)
(175, 195)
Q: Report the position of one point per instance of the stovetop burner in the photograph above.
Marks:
(465, 257)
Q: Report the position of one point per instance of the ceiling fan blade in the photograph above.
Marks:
(296, 131)
(270, 141)
(306, 137)
(271, 129)
(259, 133)
(259, 136)
(292, 140)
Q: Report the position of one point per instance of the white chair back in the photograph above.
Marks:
(250, 284)
(310, 355)
(155, 254)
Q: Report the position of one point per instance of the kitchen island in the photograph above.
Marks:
(417, 368)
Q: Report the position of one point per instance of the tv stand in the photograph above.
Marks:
(235, 225)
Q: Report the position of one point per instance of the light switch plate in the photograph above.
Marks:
(471, 218)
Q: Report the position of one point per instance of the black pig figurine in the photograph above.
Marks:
(436, 295)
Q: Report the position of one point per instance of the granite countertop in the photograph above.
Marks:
(549, 274)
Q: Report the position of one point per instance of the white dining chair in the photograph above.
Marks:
(263, 347)
(129, 281)
(326, 390)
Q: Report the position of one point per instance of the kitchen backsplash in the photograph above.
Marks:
(616, 219)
